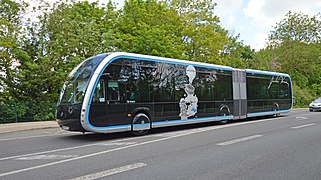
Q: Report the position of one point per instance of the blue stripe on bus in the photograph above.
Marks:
(141, 125)
(269, 112)
(189, 120)
(127, 126)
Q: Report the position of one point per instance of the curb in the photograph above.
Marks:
(298, 109)
(15, 127)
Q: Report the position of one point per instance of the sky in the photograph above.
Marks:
(253, 19)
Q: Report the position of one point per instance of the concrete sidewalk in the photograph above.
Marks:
(14, 127)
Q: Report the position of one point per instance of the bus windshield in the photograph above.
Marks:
(75, 86)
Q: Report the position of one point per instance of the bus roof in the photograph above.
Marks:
(112, 55)
(270, 73)
(164, 59)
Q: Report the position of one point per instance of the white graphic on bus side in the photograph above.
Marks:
(188, 105)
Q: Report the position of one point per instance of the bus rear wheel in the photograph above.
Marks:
(140, 124)
(275, 108)
(224, 112)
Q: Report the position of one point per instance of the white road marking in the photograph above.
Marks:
(29, 137)
(110, 172)
(82, 157)
(70, 148)
(303, 126)
(46, 152)
(301, 118)
(238, 140)
(188, 132)
(117, 143)
(47, 157)
(116, 149)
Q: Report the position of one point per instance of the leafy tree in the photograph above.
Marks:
(65, 35)
(10, 56)
(303, 63)
(10, 51)
(150, 27)
(237, 54)
(297, 27)
(295, 49)
(201, 33)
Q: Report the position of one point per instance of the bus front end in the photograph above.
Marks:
(68, 117)
(72, 94)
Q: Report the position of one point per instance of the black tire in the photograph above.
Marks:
(140, 118)
(224, 112)
(275, 108)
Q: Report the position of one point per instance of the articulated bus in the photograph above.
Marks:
(115, 92)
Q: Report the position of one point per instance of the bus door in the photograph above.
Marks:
(239, 94)
(98, 105)
(116, 102)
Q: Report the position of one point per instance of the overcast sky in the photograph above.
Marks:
(253, 19)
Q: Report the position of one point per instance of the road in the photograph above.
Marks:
(286, 147)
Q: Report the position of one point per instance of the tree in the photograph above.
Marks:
(11, 54)
(295, 48)
(297, 27)
(150, 27)
(237, 54)
(202, 36)
(10, 45)
(66, 34)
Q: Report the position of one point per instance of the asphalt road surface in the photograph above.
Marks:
(287, 147)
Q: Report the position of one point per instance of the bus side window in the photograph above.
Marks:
(113, 91)
(99, 95)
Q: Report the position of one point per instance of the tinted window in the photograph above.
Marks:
(257, 87)
(135, 80)
(223, 87)
(268, 87)
(164, 83)
(99, 95)
(205, 85)
(116, 83)
(78, 79)
(148, 81)
(113, 90)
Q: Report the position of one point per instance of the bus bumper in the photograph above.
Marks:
(70, 125)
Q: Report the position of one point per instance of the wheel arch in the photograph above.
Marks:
(139, 126)
(223, 107)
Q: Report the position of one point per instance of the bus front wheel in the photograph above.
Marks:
(140, 124)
